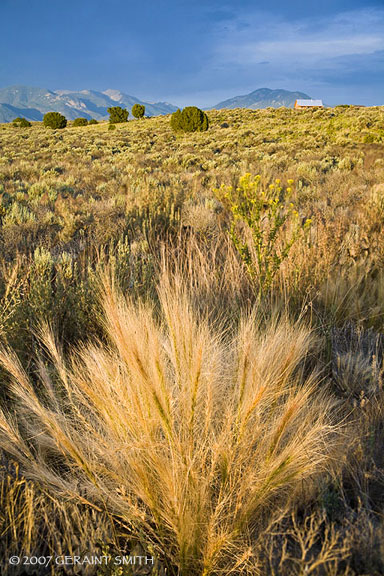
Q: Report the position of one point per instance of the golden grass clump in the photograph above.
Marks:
(189, 436)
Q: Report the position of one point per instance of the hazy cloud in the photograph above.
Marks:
(265, 37)
(260, 48)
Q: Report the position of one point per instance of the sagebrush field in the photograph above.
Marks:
(192, 344)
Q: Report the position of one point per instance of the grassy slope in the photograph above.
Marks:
(143, 200)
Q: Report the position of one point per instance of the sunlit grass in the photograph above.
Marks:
(187, 409)
(185, 434)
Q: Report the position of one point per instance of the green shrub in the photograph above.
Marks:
(93, 121)
(54, 120)
(190, 119)
(80, 122)
(118, 114)
(259, 218)
(138, 110)
(18, 214)
(176, 121)
(111, 127)
(21, 123)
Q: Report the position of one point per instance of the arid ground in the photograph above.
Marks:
(192, 343)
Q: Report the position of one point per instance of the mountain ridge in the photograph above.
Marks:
(33, 102)
(28, 101)
(262, 98)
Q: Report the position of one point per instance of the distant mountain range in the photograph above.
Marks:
(262, 98)
(32, 103)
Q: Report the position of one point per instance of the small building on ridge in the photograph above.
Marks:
(309, 104)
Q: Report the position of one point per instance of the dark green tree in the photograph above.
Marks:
(54, 120)
(138, 110)
(118, 114)
(190, 119)
(93, 121)
(21, 123)
(176, 121)
(80, 122)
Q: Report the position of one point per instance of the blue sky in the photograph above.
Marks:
(197, 51)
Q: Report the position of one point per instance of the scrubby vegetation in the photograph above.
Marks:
(190, 119)
(192, 343)
(54, 120)
(138, 110)
(21, 123)
(80, 122)
(117, 114)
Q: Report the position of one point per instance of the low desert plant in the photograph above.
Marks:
(118, 114)
(138, 110)
(187, 436)
(264, 226)
(21, 123)
(80, 122)
(190, 119)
